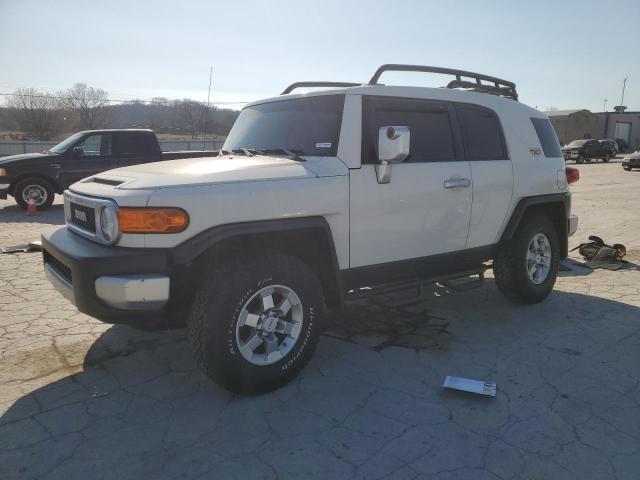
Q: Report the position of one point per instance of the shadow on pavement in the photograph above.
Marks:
(141, 409)
(54, 215)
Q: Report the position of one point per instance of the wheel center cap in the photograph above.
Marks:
(269, 322)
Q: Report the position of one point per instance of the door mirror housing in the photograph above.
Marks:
(394, 144)
(76, 152)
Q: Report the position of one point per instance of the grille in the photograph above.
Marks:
(84, 217)
(59, 267)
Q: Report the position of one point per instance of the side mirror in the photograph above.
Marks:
(393, 147)
(76, 152)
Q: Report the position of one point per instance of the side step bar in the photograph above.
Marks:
(459, 281)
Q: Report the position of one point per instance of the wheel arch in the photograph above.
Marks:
(555, 206)
(308, 238)
(24, 176)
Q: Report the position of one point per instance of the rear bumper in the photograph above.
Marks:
(572, 224)
(114, 285)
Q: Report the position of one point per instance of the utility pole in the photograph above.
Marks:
(206, 116)
(624, 84)
(604, 109)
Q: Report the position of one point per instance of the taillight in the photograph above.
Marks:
(573, 174)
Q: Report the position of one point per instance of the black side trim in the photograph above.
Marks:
(559, 199)
(429, 267)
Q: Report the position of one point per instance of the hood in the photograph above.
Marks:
(198, 171)
(23, 156)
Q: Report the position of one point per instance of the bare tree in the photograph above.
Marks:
(36, 113)
(191, 115)
(88, 104)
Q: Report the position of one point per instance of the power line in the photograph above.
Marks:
(114, 100)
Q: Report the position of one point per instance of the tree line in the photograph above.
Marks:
(44, 116)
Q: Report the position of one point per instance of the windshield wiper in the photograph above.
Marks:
(290, 153)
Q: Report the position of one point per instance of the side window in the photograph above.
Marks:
(430, 123)
(547, 136)
(132, 144)
(482, 133)
(98, 145)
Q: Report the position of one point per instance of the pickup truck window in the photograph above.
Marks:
(133, 144)
(308, 126)
(96, 145)
(64, 145)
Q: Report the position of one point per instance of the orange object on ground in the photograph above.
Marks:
(32, 210)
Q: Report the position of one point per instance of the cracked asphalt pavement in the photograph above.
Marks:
(82, 399)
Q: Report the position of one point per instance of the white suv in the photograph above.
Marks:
(313, 197)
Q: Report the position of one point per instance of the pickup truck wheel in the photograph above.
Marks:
(38, 190)
(526, 267)
(254, 323)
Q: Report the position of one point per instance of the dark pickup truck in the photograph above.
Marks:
(37, 177)
(585, 150)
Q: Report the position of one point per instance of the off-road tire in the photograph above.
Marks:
(509, 266)
(225, 288)
(44, 184)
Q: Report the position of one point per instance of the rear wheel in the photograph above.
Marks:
(255, 322)
(34, 190)
(526, 267)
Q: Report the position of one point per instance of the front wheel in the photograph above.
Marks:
(34, 190)
(526, 267)
(255, 322)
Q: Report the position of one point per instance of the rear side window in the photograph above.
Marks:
(430, 123)
(481, 133)
(547, 136)
(133, 144)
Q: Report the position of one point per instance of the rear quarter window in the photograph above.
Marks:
(547, 136)
(481, 133)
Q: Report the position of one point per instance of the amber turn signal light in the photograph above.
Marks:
(152, 220)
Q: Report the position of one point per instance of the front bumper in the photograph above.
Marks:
(631, 162)
(112, 284)
(4, 190)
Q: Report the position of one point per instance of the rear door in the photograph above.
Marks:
(491, 171)
(92, 155)
(424, 210)
(133, 148)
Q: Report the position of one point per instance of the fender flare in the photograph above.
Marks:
(189, 250)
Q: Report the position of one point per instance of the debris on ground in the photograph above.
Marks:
(600, 255)
(35, 246)
(468, 385)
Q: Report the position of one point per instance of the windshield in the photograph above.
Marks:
(577, 143)
(308, 126)
(64, 145)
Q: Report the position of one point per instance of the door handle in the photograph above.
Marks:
(457, 183)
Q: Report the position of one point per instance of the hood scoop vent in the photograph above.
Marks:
(106, 181)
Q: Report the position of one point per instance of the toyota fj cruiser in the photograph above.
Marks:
(313, 198)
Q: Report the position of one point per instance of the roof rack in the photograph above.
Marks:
(497, 86)
(293, 86)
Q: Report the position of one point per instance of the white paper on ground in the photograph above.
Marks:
(469, 385)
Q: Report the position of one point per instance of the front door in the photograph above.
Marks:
(425, 208)
(91, 156)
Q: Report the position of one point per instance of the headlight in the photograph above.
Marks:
(109, 223)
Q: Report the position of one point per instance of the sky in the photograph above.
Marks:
(560, 54)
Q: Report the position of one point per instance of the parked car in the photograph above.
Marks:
(612, 145)
(586, 150)
(313, 198)
(631, 161)
(37, 177)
